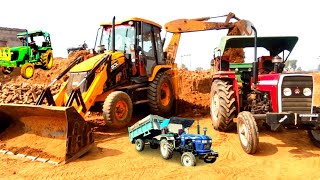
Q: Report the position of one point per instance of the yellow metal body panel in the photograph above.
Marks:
(5, 53)
(87, 64)
(131, 19)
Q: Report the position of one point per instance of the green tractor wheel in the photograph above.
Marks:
(27, 70)
(6, 70)
(47, 59)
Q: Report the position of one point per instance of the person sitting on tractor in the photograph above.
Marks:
(33, 47)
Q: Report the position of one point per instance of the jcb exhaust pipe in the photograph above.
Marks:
(113, 35)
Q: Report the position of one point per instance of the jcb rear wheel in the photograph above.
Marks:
(27, 70)
(160, 94)
(248, 132)
(6, 70)
(117, 109)
(222, 105)
(47, 59)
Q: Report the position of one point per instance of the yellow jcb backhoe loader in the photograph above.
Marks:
(129, 68)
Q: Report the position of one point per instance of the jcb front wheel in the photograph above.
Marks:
(117, 109)
(160, 94)
(6, 70)
(47, 59)
(248, 132)
(27, 70)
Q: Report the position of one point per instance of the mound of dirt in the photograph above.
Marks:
(194, 93)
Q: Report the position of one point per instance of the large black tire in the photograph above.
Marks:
(27, 70)
(314, 136)
(222, 105)
(117, 109)
(248, 132)
(47, 59)
(188, 159)
(139, 145)
(166, 149)
(161, 94)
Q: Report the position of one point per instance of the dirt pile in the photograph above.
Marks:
(24, 93)
(194, 92)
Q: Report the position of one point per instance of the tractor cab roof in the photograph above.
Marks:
(33, 33)
(274, 44)
(131, 19)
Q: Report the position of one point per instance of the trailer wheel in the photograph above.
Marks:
(212, 160)
(166, 149)
(117, 109)
(27, 70)
(160, 94)
(188, 159)
(248, 132)
(154, 146)
(47, 59)
(315, 137)
(139, 145)
(6, 70)
(222, 105)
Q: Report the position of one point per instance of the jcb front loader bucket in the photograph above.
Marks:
(45, 133)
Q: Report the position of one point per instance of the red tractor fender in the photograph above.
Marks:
(231, 77)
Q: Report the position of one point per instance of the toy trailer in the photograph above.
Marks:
(172, 135)
(145, 130)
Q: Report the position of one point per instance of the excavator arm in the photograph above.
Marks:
(201, 24)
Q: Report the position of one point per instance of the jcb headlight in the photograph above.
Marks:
(287, 91)
(204, 141)
(307, 91)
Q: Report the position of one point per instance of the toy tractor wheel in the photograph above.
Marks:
(47, 59)
(166, 149)
(139, 145)
(315, 137)
(212, 160)
(27, 70)
(222, 105)
(160, 94)
(154, 146)
(117, 109)
(248, 132)
(188, 159)
(6, 70)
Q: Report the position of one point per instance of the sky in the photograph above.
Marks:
(71, 22)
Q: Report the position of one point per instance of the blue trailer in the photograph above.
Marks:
(172, 135)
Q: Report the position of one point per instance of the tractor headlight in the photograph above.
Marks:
(307, 91)
(204, 141)
(287, 91)
(210, 141)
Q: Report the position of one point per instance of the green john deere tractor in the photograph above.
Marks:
(36, 51)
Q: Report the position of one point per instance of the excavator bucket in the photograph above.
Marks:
(45, 133)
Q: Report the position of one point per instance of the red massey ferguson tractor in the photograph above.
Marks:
(263, 94)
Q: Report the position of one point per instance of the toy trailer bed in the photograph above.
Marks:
(147, 128)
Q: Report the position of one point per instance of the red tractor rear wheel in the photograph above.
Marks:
(222, 105)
